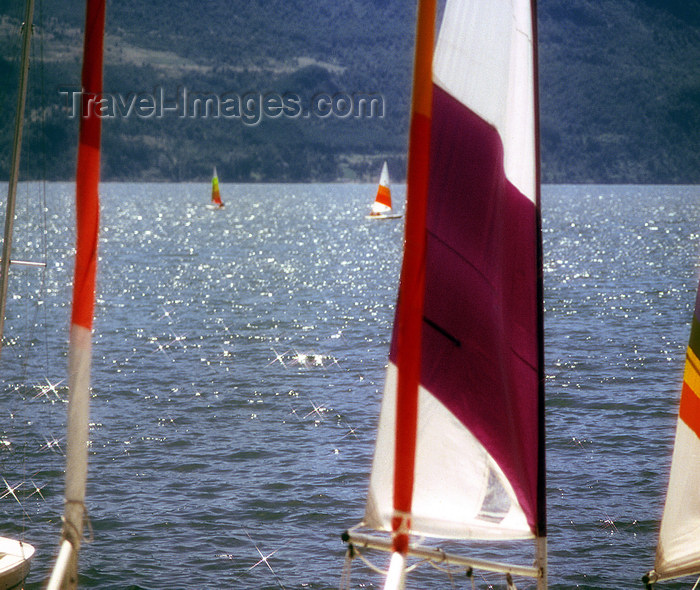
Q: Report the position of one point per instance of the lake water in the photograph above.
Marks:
(239, 358)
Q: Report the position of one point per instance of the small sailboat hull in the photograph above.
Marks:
(15, 559)
(382, 216)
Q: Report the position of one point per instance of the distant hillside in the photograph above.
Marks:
(620, 89)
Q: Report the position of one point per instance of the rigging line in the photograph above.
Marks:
(345, 573)
(43, 152)
(450, 571)
(696, 584)
(31, 207)
(26, 34)
(377, 569)
(27, 48)
(470, 576)
(369, 564)
(31, 322)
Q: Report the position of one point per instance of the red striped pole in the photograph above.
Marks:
(412, 291)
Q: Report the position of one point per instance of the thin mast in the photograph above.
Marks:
(14, 169)
(541, 533)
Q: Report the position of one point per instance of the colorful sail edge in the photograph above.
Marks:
(678, 549)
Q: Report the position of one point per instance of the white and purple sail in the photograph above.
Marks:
(460, 447)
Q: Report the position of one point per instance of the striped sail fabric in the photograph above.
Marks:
(382, 202)
(678, 551)
(479, 463)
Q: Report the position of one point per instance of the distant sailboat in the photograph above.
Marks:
(216, 202)
(87, 178)
(460, 443)
(678, 549)
(15, 555)
(381, 208)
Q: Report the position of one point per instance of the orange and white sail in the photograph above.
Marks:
(80, 344)
(215, 194)
(382, 202)
(678, 549)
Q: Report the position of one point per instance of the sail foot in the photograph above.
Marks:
(476, 499)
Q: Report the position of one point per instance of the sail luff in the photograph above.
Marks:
(80, 345)
(14, 167)
(412, 280)
(541, 531)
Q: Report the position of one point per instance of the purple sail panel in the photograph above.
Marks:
(480, 344)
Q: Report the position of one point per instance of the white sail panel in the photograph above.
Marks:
(378, 207)
(384, 176)
(459, 492)
(678, 551)
(490, 70)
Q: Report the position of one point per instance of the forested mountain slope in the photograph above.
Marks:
(619, 79)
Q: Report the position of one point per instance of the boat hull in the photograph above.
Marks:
(15, 558)
(380, 216)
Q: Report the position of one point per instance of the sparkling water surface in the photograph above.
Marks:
(238, 361)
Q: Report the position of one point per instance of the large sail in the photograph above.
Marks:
(460, 447)
(678, 550)
(382, 201)
(80, 345)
